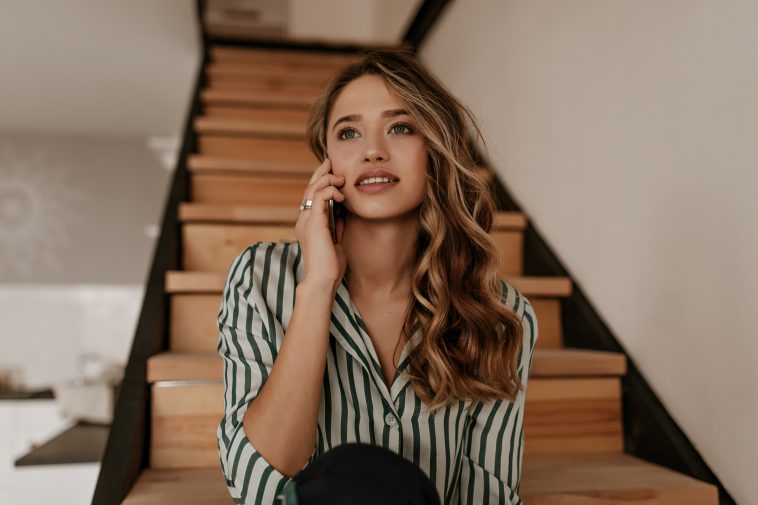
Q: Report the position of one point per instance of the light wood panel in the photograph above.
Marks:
(608, 479)
(258, 113)
(286, 150)
(284, 70)
(256, 55)
(581, 479)
(185, 418)
(573, 415)
(218, 164)
(209, 366)
(549, 327)
(250, 127)
(193, 326)
(180, 281)
(227, 96)
(248, 189)
(212, 247)
(184, 422)
(189, 486)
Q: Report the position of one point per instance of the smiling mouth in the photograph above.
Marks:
(376, 180)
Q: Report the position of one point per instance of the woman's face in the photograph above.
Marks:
(361, 135)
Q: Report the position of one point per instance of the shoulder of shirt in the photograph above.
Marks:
(267, 258)
(515, 299)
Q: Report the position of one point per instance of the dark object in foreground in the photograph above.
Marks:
(360, 473)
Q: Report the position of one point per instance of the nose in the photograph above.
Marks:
(375, 150)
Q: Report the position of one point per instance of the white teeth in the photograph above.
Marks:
(372, 180)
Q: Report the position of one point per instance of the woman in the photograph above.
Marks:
(401, 334)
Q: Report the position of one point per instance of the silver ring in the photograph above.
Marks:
(307, 204)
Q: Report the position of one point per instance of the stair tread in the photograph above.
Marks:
(254, 55)
(568, 479)
(241, 213)
(608, 478)
(243, 97)
(248, 126)
(565, 362)
(199, 163)
(184, 281)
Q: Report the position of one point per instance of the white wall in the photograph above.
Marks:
(78, 224)
(628, 132)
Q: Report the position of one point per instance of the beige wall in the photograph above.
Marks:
(628, 131)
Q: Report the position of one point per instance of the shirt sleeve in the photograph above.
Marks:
(248, 349)
(494, 441)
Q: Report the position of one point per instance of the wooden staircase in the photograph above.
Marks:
(247, 178)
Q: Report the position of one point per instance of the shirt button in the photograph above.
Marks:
(390, 419)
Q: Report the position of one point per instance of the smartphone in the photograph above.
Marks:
(335, 211)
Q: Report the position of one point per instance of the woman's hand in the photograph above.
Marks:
(324, 262)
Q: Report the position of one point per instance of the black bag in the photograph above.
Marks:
(360, 474)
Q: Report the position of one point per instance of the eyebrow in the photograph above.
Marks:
(358, 117)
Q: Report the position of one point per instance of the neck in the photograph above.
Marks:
(380, 256)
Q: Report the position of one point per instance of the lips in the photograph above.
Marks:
(375, 173)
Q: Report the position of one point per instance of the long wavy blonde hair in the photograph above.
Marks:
(470, 339)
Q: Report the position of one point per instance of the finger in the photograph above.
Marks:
(323, 168)
(321, 197)
(324, 181)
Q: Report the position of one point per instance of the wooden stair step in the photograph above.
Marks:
(244, 126)
(566, 479)
(204, 164)
(188, 486)
(258, 113)
(213, 246)
(224, 213)
(284, 70)
(600, 479)
(196, 297)
(241, 97)
(189, 282)
(263, 149)
(208, 366)
(562, 415)
(256, 55)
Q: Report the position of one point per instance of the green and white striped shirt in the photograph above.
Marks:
(472, 458)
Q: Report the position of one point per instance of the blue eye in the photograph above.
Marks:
(346, 130)
(402, 125)
(404, 130)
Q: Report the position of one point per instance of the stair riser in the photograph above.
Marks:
(193, 322)
(309, 73)
(185, 419)
(250, 128)
(257, 148)
(247, 98)
(259, 55)
(244, 189)
(214, 246)
(267, 84)
(259, 113)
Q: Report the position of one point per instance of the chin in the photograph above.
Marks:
(381, 212)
